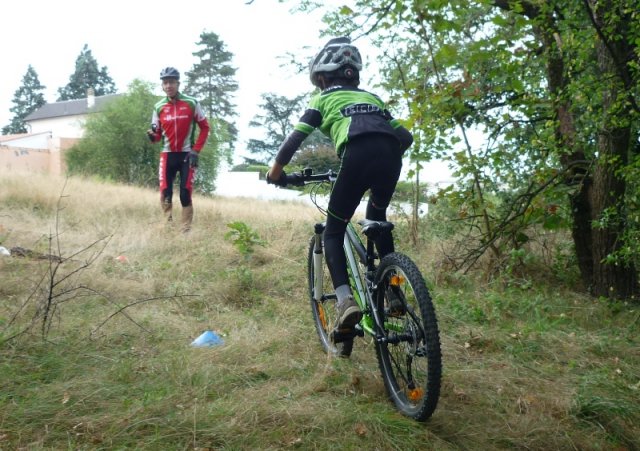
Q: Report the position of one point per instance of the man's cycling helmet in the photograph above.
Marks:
(336, 54)
(169, 72)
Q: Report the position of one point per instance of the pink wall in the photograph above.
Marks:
(48, 161)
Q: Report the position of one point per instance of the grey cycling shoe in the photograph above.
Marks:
(349, 314)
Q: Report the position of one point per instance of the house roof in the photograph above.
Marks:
(69, 108)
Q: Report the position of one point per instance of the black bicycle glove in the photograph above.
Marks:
(282, 181)
(193, 159)
(151, 133)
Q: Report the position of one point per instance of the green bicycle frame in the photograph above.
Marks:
(361, 292)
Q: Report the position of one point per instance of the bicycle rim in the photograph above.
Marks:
(324, 309)
(410, 356)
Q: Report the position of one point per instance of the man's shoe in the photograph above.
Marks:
(397, 303)
(349, 315)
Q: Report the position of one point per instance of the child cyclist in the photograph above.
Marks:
(370, 144)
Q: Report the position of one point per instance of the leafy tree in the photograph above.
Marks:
(212, 156)
(212, 81)
(277, 119)
(27, 98)
(553, 88)
(279, 115)
(115, 144)
(87, 75)
(320, 158)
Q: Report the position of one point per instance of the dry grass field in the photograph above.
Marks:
(95, 350)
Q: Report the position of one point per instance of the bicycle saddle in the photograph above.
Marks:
(371, 229)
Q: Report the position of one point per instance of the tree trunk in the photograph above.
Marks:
(574, 160)
(612, 280)
(600, 191)
(581, 231)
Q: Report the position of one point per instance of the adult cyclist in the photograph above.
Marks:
(370, 144)
(174, 121)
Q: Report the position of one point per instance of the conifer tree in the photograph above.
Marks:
(212, 81)
(87, 75)
(27, 98)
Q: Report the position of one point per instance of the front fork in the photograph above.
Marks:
(318, 267)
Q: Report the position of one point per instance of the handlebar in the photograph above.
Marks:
(307, 176)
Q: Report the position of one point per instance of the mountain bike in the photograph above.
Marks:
(398, 311)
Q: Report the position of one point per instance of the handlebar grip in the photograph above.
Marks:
(295, 179)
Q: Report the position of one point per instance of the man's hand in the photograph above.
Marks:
(151, 133)
(193, 159)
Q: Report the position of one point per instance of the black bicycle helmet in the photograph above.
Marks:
(336, 54)
(169, 72)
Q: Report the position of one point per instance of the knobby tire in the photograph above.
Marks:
(410, 357)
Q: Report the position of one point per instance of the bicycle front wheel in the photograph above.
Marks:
(409, 353)
(323, 301)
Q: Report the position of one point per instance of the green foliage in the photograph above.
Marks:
(115, 145)
(517, 96)
(27, 98)
(406, 192)
(87, 76)
(276, 121)
(244, 238)
(320, 158)
(261, 169)
(211, 158)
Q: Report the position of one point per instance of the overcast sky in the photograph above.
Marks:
(137, 38)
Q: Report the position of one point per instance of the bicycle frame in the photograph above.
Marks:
(361, 283)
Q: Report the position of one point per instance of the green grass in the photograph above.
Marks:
(531, 365)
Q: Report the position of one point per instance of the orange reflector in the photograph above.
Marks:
(415, 394)
(396, 280)
(323, 320)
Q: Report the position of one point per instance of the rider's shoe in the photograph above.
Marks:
(397, 303)
(349, 315)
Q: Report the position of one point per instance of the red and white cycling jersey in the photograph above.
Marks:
(176, 120)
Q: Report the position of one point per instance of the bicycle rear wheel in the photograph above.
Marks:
(409, 356)
(324, 309)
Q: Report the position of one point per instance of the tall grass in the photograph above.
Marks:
(526, 366)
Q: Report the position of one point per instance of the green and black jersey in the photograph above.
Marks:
(341, 113)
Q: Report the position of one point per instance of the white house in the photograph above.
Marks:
(53, 128)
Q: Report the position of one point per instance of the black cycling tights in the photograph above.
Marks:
(172, 163)
(369, 162)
